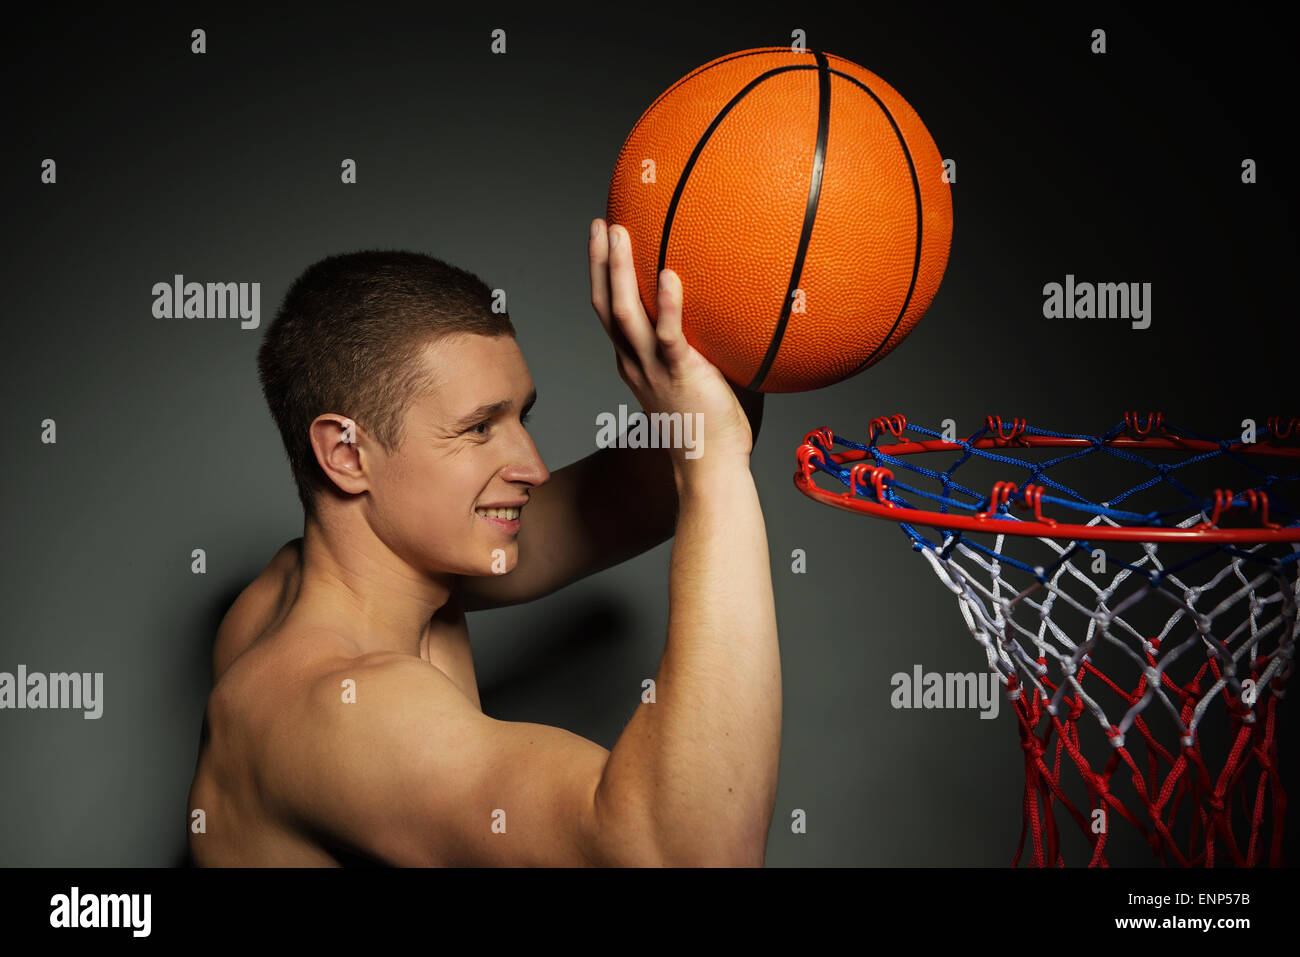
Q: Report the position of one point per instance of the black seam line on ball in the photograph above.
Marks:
(810, 214)
(916, 193)
(704, 139)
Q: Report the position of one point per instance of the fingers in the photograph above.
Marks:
(625, 297)
(638, 341)
(598, 263)
(668, 326)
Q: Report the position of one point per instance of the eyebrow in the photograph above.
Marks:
(489, 410)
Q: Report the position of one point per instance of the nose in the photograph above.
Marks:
(526, 463)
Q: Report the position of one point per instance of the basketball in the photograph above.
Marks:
(802, 202)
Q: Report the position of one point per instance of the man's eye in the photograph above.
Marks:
(482, 427)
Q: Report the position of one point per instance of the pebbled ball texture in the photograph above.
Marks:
(725, 159)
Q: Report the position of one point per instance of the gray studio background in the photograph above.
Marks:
(225, 167)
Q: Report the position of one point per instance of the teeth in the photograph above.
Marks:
(506, 513)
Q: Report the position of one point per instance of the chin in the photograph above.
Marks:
(502, 560)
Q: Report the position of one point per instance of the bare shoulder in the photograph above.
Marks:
(258, 607)
(234, 765)
(385, 756)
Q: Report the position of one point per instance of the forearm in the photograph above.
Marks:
(632, 495)
(697, 768)
(639, 488)
(629, 504)
(597, 512)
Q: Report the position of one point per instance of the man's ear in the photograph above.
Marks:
(336, 441)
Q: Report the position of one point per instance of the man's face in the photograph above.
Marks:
(449, 498)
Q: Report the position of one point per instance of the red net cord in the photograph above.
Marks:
(1187, 783)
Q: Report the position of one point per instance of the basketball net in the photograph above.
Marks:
(1210, 631)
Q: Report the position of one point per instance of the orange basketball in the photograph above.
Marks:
(802, 202)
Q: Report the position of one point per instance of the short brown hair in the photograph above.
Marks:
(348, 338)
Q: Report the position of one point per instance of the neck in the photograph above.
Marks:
(354, 585)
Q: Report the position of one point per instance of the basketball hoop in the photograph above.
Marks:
(1227, 629)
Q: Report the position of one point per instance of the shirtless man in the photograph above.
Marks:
(344, 724)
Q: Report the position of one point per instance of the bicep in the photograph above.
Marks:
(516, 794)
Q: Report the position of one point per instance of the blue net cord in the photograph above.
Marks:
(1219, 630)
(954, 497)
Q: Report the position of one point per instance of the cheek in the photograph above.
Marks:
(434, 494)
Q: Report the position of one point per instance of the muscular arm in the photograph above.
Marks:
(410, 772)
(600, 511)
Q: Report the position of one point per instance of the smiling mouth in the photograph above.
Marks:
(508, 514)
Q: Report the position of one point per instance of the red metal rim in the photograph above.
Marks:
(867, 477)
